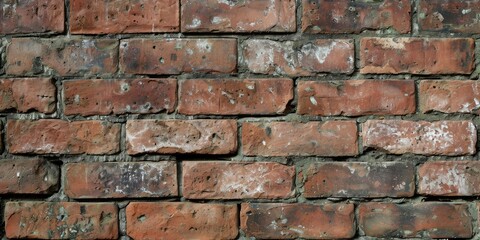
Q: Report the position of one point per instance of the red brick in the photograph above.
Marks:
(51, 136)
(449, 16)
(237, 180)
(417, 55)
(298, 220)
(171, 220)
(62, 56)
(103, 97)
(425, 220)
(36, 16)
(23, 176)
(450, 96)
(176, 56)
(24, 94)
(344, 16)
(428, 138)
(238, 16)
(358, 179)
(356, 97)
(299, 58)
(233, 97)
(331, 138)
(124, 16)
(181, 136)
(61, 220)
(121, 180)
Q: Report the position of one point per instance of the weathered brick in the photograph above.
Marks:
(171, 220)
(417, 55)
(121, 180)
(61, 220)
(237, 180)
(358, 179)
(181, 136)
(298, 220)
(52, 136)
(233, 97)
(124, 16)
(425, 220)
(356, 97)
(63, 56)
(24, 176)
(331, 138)
(175, 56)
(449, 178)
(449, 16)
(299, 58)
(36, 16)
(449, 96)
(238, 16)
(429, 138)
(103, 97)
(344, 16)
(24, 94)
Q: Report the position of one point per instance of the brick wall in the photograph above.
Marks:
(226, 119)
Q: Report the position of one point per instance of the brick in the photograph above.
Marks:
(299, 58)
(176, 56)
(233, 97)
(298, 220)
(171, 220)
(450, 138)
(417, 55)
(449, 96)
(358, 179)
(326, 16)
(24, 95)
(121, 180)
(356, 97)
(181, 136)
(28, 176)
(51, 136)
(143, 16)
(449, 16)
(61, 220)
(104, 97)
(37, 16)
(237, 180)
(238, 16)
(425, 220)
(331, 138)
(62, 56)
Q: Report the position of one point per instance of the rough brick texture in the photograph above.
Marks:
(27, 94)
(28, 176)
(449, 96)
(449, 16)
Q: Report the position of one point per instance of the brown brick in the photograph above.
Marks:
(175, 56)
(51, 136)
(449, 16)
(331, 138)
(171, 220)
(233, 97)
(358, 179)
(298, 220)
(121, 180)
(103, 97)
(417, 55)
(237, 180)
(344, 16)
(62, 56)
(24, 94)
(425, 220)
(356, 97)
(429, 138)
(299, 58)
(24, 176)
(450, 96)
(238, 16)
(61, 220)
(36, 16)
(124, 16)
(181, 136)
